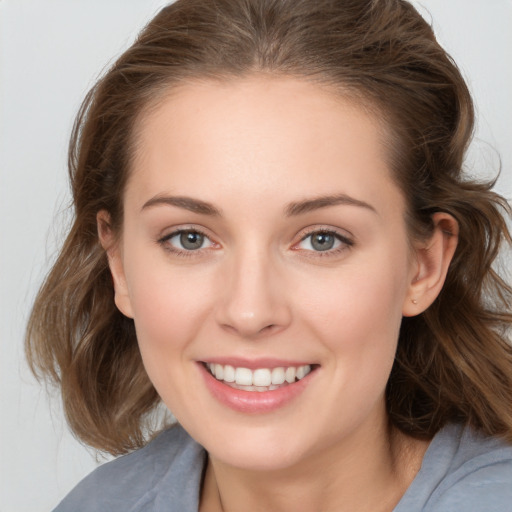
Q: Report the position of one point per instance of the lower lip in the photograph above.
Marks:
(253, 401)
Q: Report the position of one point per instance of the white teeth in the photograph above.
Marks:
(289, 374)
(229, 373)
(302, 371)
(243, 376)
(261, 379)
(254, 388)
(219, 372)
(277, 376)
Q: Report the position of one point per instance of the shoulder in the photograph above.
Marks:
(167, 470)
(479, 479)
(462, 471)
(486, 488)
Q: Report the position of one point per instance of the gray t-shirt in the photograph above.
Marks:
(462, 471)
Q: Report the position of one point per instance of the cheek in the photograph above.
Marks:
(357, 315)
(358, 300)
(168, 314)
(169, 306)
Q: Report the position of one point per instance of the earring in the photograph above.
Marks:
(414, 301)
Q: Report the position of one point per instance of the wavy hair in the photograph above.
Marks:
(454, 361)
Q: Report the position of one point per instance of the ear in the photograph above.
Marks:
(111, 245)
(432, 260)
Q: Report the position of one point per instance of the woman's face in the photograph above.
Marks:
(263, 239)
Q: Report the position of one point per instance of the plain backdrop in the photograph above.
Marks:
(51, 52)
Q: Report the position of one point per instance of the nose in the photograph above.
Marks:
(253, 300)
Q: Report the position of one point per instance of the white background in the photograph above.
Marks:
(51, 51)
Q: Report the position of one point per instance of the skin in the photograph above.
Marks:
(257, 287)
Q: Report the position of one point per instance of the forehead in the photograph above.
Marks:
(254, 134)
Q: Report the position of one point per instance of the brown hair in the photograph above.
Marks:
(453, 361)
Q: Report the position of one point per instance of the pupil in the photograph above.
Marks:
(191, 240)
(322, 241)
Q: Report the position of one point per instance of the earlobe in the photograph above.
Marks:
(110, 244)
(433, 258)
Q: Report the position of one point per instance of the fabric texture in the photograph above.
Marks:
(462, 471)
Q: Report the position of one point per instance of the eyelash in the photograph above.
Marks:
(183, 253)
(345, 243)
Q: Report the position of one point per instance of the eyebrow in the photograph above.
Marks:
(316, 203)
(187, 203)
(291, 210)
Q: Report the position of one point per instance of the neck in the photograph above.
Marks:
(369, 471)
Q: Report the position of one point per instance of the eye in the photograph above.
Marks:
(323, 241)
(186, 240)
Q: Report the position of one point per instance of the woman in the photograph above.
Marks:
(274, 237)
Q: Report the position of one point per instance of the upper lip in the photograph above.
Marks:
(254, 364)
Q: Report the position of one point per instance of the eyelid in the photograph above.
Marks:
(170, 232)
(164, 239)
(346, 239)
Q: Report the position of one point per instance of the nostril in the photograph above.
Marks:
(250, 331)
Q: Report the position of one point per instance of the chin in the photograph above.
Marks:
(265, 459)
(257, 450)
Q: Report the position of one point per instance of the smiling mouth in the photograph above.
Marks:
(260, 379)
